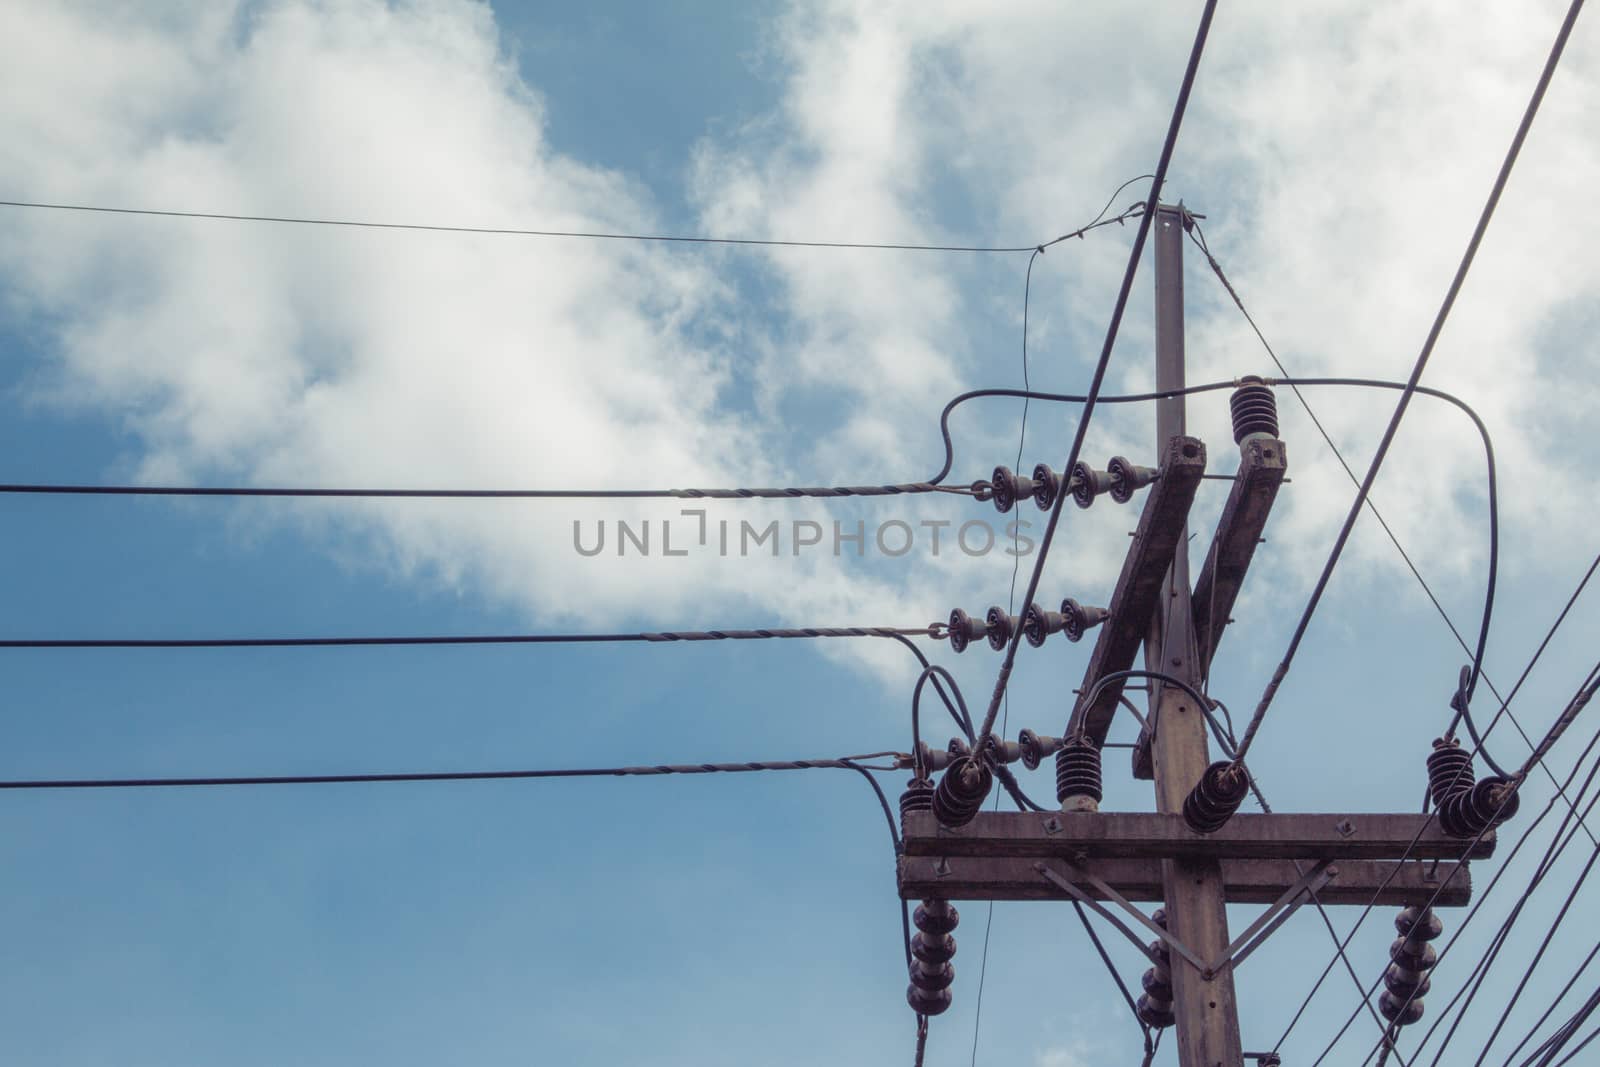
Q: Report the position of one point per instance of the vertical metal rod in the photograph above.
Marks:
(1207, 1014)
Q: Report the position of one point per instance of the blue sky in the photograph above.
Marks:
(1339, 156)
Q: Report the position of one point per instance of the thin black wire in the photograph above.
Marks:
(783, 493)
(1577, 702)
(1479, 973)
(1198, 238)
(1367, 910)
(507, 231)
(1527, 974)
(1011, 607)
(934, 631)
(1554, 1002)
(1478, 231)
(457, 776)
(1137, 252)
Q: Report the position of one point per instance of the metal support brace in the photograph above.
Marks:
(1275, 916)
(1309, 884)
(1117, 898)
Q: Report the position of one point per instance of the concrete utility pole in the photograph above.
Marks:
(1208, 1016)
(1108, 861)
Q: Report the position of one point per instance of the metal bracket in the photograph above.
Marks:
(1117, 898)
(1267, 922)
(1305, 888)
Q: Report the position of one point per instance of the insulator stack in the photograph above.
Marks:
(917, 797)
(1466, 807)
(1077, 619)
(1255, 410)
(1155, 1003)
(1078, 776)
(1449, 770)
(1411, 958)
(1046, 486)
(1006, 488)
(1035, 747)
(932, 948)
(961, 792)
(1214, 799)
(1038, 624)
(1000, 625)
(1088, 483)
(1127, 478)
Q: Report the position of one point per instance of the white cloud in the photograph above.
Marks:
(1342, 154)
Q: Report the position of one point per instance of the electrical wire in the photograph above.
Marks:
(784, 493)
(1467, 850)
(933, 631)
(1418, 367)
(1367, 910)
(848, 763)
(1143, 233)
(1554, 1001)
(1198, 238)
(215, 216)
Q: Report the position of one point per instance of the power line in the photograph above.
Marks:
(1411, 385)
(1145, 220)
(933, 631)
(217, 216)
(1463, 712)
(849, 763)
(784, 493)
(1367, 910)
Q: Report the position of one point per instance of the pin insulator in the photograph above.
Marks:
(1000, 625)
(963, 630)
(1078, 771)
(1077, 619)
(1038, 624)
(1088, 483)
(1128, 478)
(1214, 799)
(1449, 770)
(918, 796)
(960, 794)
(1007, 488)
(1001, 750)
(1046, 486)
(1255, 410)
(1035, 747)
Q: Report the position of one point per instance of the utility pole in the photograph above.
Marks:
(1192, 862)
(1207, 1014)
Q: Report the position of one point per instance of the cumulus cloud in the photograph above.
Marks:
(1341, 154)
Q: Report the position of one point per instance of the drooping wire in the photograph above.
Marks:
(784, 493)
(1367, 910)
(934, 631)
(847, 763)
(514, 232)
(1417, 369)
(1463, 713)
(1098, 379)
(1583, 695)
(1555, 1001)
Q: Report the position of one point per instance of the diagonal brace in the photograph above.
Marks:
(1267, 923)
(1117, 898)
